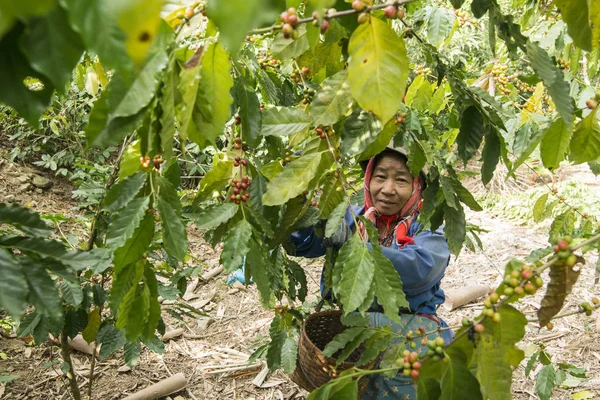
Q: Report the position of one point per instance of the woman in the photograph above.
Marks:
(392, 202)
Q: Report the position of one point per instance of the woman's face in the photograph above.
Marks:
(391, 185)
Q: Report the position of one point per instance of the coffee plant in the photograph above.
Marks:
(287, 97)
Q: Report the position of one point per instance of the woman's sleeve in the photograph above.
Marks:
(307, 243)
(422, 265)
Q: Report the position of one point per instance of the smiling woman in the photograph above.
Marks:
(392, 203)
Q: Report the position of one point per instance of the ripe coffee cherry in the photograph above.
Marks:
(479, 328)
(562, 245)
(237, 146)
(232, 197)
(244, 162)
(399, 121)
(292, 20)
(324, 26)
(238, 159)
(236, 164)
(238, 119)
(390, 11)
(236, 191)
(287, 31)
(414, 374)
(284, 17)
(244, 186)
(424, 342)
(527, 274)
(591, 104)
(358, 5)
(305, 70)
(363, 18)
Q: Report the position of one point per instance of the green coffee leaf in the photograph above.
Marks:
(360, 130)
(335, 218)
(130, 161)
(388, 287)
(71, 292)
(381, 142)
(215, 179)
(137, 245)
(258, 268)
(585, 144)
(123, 192)
(214, 215)
(174, 234)
(357, 274)
(286, 49)
(132, 352)
(490, 155)
(480, 7)
(249, 110)
(576, 14)
(293, 180)
(459, 383)
(111, 339)
(91, 330)
(233, 30)
(553, 79)
(279, 121)
(53, 47)
(539, 207)
(464, 195)
(454, 228)
(24, 219)
(213, 96)
(75, 321)
(289, 353)
(341, 340)
(555, 143)
(471, 133)
(439, 25)
(428, 388)
(14, 69)
(236, 245)
(545, 382)
(378, 68)
(332, 195)
(42, 290)
(333, 101)
(448, 189)
(531, 363)
(125, 222)
(13, 286)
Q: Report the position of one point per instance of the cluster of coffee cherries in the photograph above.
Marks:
(156, 161)
(323, 131)
(240, 190)
(238, 144)
(420, 70)
(502, 80)
(296, 76)
(290, 20)
(267, 60)
(564, 252)
(462, 17)
(393, 11)
(239, 161)
(412, 365)
(401, 118)
(519, 282)
(563, 64)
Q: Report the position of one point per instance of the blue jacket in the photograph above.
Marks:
(421, 266)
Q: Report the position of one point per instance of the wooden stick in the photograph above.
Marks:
(460, 297)
(160, 389)
(241, 368)
(212, 273)
(172, 334)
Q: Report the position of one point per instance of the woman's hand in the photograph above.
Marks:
(340, 236)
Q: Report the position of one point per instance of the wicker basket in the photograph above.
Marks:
(313, 369)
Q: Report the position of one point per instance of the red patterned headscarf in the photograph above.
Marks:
(400, 222)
